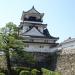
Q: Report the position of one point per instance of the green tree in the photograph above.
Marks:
(11, 43)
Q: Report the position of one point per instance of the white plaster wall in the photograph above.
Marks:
(36, 48)
(40, 28)
(25, 28)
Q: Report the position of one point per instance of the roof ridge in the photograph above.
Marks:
(32, 9)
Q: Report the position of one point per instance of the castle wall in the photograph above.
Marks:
(66, 64)
(2, 62)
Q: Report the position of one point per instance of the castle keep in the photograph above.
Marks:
(36, 35)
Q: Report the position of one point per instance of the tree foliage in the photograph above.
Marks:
(11, 44)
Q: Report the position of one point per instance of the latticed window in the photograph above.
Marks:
(41, 46)
(46, 41)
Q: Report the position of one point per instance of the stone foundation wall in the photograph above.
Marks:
(2, 62)
(66, 64)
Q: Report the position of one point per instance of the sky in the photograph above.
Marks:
(59, 15)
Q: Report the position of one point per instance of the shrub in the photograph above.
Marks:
(48, 72)
(2, 74)
(34, 72)
(23, 72)
(19, 69)
(57, 73)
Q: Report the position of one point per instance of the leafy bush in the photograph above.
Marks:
(19, 69)
(23, 72)
(48, 72)
(2, 74)
(57, 73)
(34, 72)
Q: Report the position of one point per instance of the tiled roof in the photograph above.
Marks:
(32, 11)
(69, 40)
(46, 33)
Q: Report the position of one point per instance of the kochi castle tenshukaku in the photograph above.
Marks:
(35, 34)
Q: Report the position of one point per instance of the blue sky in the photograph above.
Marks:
(59, 14)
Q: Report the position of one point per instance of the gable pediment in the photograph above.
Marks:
(33, 32)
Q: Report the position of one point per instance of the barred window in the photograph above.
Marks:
(41, 46)
(46, 41)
